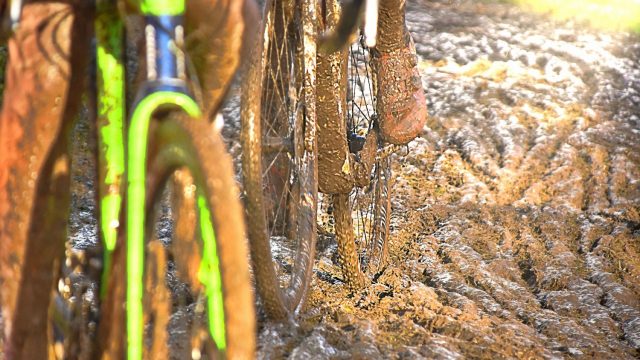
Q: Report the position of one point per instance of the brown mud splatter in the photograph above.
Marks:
(516, 215)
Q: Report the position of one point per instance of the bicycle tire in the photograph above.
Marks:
(178, 146)
(40, 104)
(362, 215)
(280, 157)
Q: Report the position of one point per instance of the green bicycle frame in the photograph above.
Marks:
(110, 83)
(111, 171)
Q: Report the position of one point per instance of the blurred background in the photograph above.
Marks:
(605, 14)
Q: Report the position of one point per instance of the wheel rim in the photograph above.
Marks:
(287, 176)
(362, 215)
(371, 203)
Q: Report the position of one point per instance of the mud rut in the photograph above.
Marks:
(516, 216)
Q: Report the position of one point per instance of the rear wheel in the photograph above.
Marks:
(279, 157)
(362, 215)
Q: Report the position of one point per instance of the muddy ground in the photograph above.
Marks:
(516, 215)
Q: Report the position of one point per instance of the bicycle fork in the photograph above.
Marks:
(165, 88)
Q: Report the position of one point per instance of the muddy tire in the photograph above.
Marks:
(362, 227)
(191, 191)
(279, 158)
(362, 215)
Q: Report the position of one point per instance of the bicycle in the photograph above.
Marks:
(166, 143)
(315, 129)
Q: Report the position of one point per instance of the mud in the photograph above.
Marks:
(516, 214)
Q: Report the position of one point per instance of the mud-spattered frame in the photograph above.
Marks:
(122, 159)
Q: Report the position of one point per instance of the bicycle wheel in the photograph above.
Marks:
(41, 101)
(279, 156)
(362, 215)
(197, 299)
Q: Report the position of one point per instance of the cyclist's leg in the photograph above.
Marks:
(219, 34)
(42, 92)
(402, 104)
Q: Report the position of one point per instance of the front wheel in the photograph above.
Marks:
(197, 300)
(213, 264)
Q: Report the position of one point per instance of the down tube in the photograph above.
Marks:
(111, 111)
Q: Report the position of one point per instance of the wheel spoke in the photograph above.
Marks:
(362, 217)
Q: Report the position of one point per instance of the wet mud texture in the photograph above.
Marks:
(516, 214)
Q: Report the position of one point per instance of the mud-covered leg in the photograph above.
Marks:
(391, 28)
(331, 86)
(347, 249)
(44, 83)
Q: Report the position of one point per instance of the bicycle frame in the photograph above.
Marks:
(165, 87)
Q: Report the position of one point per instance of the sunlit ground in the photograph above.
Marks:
(606, 14)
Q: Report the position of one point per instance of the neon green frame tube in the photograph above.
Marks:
(136, 193)
(162, 7)
(209, 275)
(110, 83)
